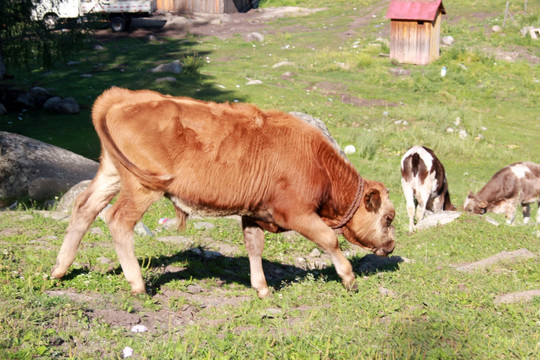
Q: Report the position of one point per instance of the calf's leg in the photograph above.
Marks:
(254, 240)
(129, 208)
(423, 198)
(312, 227)
(409, 198)
(526, 208)
(87, 205)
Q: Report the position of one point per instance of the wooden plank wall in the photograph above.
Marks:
(203, 6)
(414, 42)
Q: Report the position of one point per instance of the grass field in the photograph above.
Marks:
(416, 305)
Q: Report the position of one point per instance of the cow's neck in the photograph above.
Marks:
(343, 188)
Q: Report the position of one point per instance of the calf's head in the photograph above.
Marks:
(473, 205)
(371, 226)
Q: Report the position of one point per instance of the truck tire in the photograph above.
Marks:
(119, 23)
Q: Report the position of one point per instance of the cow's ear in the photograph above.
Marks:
(372, 200)
(471, 194)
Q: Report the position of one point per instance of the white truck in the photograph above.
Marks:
(120, 11)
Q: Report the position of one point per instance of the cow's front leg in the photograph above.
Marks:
(526, 208)
(313, 228)
(254, 240)
(510, 211)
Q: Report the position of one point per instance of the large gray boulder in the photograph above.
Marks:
(318, 123)
(31, 168)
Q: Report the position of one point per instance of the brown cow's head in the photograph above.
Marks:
(371, 226)
(473, 205)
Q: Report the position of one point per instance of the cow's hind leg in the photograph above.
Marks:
(132, 203)
(423, 199)
(254, 240)
(409, 198)
(526, 208)
(87, 205)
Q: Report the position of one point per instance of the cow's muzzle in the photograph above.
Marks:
(385, 250)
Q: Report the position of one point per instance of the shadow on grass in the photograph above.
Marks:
(236, 269)
(125, 62)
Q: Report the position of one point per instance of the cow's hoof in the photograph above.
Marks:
(138, 291)
(263, 293)
(57, 274)
(352, 286)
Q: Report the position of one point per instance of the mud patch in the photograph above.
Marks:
(104, 309)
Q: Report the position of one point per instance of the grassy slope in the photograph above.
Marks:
(432, 311)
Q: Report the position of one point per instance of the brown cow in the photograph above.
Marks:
(517, 183)
(273, 169)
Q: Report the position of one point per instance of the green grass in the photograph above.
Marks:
(422, 308)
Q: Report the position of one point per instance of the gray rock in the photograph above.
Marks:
(51, 103)
(315, 253)
(44, 188)
(166, 79)
(64, 106)
(254, 36)
(96, 231)
(447, 40)
(522, 296)
(142, 229)
(320, 125)
(438, 218)
(68, 106)
(254, 82)
(26, 101)
(40, 95)
(23, 160)
(173, 67)
(505, 256)
(3, 109)
(66, 201)
(282, 63)
(204, 225)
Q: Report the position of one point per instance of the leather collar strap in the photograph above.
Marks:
(352, 209)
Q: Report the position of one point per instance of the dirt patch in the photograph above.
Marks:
(329, 88)
(522, 296)
(223, 26)
(104, 309)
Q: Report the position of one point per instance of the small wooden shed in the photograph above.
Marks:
(415, 30)
(204, 6)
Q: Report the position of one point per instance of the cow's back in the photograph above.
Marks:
(219, 156)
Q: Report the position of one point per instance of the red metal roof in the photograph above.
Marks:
(424, 10)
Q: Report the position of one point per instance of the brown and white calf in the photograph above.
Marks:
(275, 170)
(423, 179)
(518, 183)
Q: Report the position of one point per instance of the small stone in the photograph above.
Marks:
(496, 29)
(254, 36)
(204, 225)
(447, 40)
(315, 253)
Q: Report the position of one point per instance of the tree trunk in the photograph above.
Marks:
(2, 65)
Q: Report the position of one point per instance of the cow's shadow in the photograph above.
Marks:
(235, 269)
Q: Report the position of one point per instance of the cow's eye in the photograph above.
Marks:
(389, 219)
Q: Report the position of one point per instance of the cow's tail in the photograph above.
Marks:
(101, 107)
